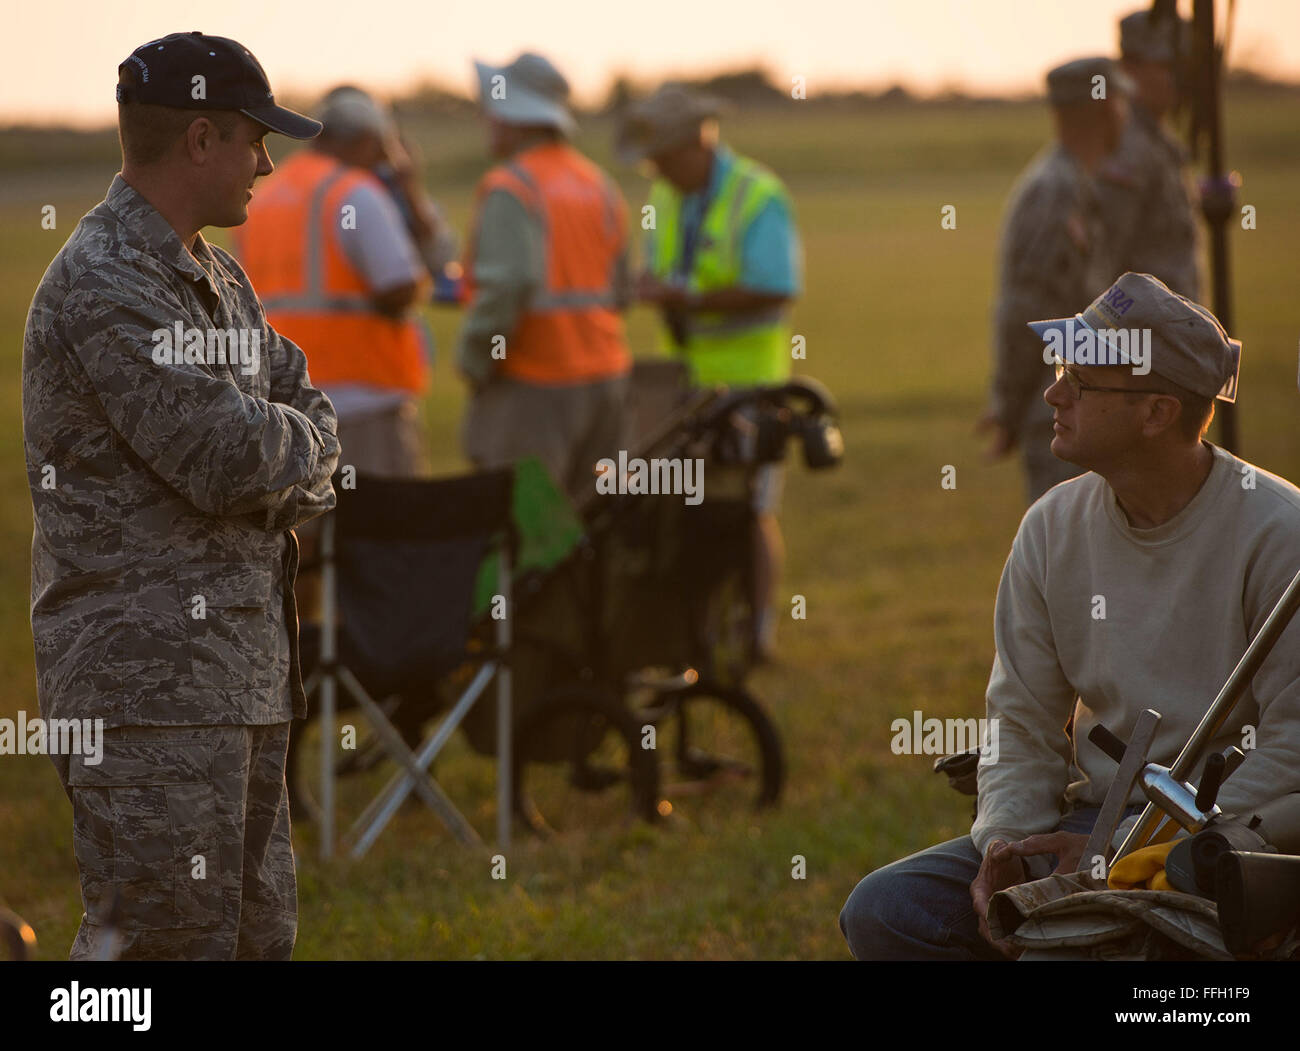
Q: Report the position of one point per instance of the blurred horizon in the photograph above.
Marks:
(997, 48)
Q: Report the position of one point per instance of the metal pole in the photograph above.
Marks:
(1218, 196)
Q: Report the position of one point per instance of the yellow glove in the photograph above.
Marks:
(1142, 870)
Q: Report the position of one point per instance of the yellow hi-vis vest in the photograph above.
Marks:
(726, 348)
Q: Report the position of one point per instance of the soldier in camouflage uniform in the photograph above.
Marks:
(1143, 189)
(173, 441)
(1056, 253)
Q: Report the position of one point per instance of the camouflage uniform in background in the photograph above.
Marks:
(170, 482)
(1055, 256)
(1143, 192)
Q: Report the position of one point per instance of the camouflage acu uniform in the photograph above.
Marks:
(1054, 259)
(1145, 196)
(163, 560)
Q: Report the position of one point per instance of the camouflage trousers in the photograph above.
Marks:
(181, 835)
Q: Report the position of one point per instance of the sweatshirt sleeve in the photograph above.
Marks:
(1023, 780)
(1272, 767)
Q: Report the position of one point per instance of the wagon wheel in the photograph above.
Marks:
(578, 762)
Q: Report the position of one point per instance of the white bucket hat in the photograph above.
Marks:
(529, 91)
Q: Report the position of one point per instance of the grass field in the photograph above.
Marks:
(899, 574)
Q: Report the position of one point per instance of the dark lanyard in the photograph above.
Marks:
(691, 235)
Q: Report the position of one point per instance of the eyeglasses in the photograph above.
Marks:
(1077, 386)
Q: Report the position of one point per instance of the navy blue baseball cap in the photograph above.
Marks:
(167, 72)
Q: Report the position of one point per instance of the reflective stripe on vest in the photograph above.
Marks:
(327, 310)
(733, 348)
(570, 331)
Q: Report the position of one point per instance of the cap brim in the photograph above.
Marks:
(1065, 331)
(285, 122)
(1042, 329)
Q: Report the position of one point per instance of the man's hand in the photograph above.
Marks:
(1003, 440)
(1067, 846)
(404, 161)
(649, 289)
(999, 870)
(401, 157)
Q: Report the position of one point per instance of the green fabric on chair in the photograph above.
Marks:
(546, 524)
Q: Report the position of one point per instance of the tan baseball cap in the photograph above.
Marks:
(1187, 344)
(668, 118)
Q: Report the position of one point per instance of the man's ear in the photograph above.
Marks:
(200, 138)
(1163, 412)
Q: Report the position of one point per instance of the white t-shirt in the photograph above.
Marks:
(383, 250)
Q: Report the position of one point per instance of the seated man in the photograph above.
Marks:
(1137, 585)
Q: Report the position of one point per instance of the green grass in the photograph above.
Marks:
(899, 574)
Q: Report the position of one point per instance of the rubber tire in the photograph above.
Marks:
(573, 700)
(741, 701)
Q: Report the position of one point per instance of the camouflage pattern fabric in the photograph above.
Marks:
(188, 827)
(1078, 913)
(1055, 257)
(164, 494)
(1146, 199)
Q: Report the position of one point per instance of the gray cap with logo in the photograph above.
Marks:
(1188, 345)
(1075, 81)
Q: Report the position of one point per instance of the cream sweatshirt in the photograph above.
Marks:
(1103, 619)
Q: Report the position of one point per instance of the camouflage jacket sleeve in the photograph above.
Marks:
(292, 387)
(226, 452)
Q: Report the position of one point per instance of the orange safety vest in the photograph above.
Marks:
(570, 331)
(292, 251)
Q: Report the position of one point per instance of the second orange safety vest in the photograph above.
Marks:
(292, 251)
(570, 331)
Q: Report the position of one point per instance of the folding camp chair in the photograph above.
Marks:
(399, 563)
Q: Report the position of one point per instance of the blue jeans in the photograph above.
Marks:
(919, 908)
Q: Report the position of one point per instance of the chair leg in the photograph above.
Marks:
(423, 784)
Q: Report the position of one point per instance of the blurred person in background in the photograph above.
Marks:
(723, 263)
(434, 237)
(546, 276)
(340, 273)
(1058, 247)
(1146, 191)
